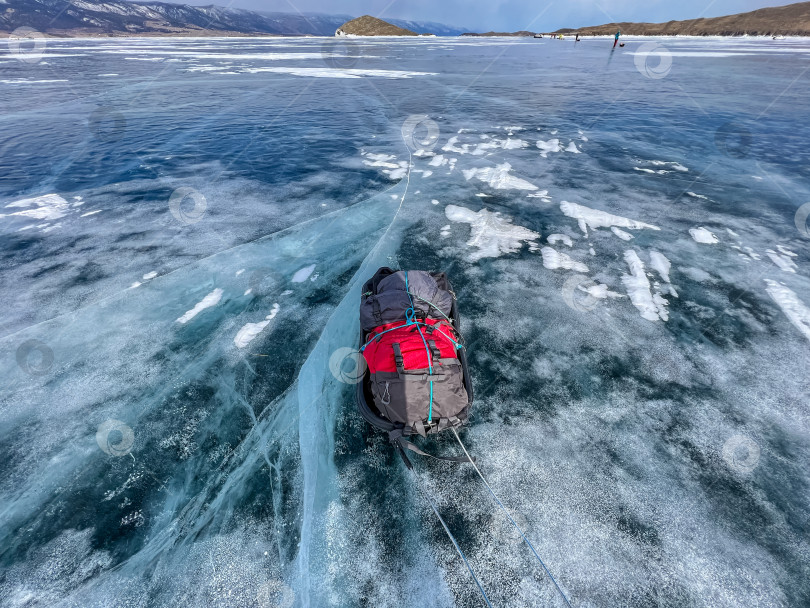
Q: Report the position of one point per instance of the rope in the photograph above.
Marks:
(453, 540)
(408, 312)
(449, 320)
(514, 523)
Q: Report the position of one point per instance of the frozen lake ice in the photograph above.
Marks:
(186, 224)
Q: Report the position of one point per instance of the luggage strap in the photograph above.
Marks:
(403, 444)
(398, 360)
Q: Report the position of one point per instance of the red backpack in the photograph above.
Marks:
(416, 376)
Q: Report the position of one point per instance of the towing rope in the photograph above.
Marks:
(453, 540)
(514, 523)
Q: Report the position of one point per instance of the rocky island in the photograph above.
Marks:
(371, 26)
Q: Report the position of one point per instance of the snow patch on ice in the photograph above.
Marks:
(663, 163)
(303, 274)
(625, 236)
(783, 261)
(554, 260)
(542, 194)
(600, 291)
(660, 264)
(594, 218)
(212, 299)
(791, 305)
(702, 235)
(248, 332)
(552, 145)
(333, 72)
(451, 146)
(561, 238)
(652, 307)
(490, 233)
(45, 207)
(498, 177)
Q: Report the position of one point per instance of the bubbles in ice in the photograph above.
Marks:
(51, 572)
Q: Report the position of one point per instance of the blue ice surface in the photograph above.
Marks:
(653, 448)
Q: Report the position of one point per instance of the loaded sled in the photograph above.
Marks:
(417, 380)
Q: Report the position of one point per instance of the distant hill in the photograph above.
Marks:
(520, 33)
(789, 20)
(143, 18)
(371, 26)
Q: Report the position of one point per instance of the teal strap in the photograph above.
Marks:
(410, 321)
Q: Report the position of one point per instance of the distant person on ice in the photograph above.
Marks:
(619, 33)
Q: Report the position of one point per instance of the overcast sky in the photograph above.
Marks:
(510, 15)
